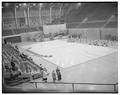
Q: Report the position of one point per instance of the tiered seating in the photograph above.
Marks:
(16, 53)
(7, 32)
(24, 30)
(98, 24)
(104, 43)
(25, 66)
(91, 25)
(93, 11)
(112, 24)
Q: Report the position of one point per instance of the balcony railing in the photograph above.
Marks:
(85, 87)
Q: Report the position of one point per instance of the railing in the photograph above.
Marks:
(115, 86)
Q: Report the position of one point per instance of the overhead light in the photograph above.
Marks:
(6, 4)
(24, 4)
(41, 4)
(30, 6)
(20, 4)
(79, 4)
(34, 4)
(16, 6)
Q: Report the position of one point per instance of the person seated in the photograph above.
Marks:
(30, 59)
(14, 71)
(14, 67)
(7, 68)
(12, 58)
(21, 55)
(41, 67)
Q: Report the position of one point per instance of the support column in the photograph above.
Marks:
(16, 24)
(40, 17)
(25, 16)
(50, 14)
(28, 10)
(60, 14)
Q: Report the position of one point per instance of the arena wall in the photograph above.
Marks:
(89, 33)
(109, 31)
(54, 28)
(13, 38)
(23, 37)
(94, 33)
(30, 36)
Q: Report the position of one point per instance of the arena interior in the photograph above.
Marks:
(60, 47)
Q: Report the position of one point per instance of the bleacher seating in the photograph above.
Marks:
(11, 54)
(98, 24)
(112, 24)
(93, 11)
(7, 32)
(103, 43)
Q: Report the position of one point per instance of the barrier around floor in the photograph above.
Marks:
(114, 86)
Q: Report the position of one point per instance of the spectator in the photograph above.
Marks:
(41, 68)
(12, 63)
(12, 59)
(5, 41)
(14, 67)
(7, 68)
(58, 73)
(44, 75)
(14, 71)
(29, 58)
(53, 76)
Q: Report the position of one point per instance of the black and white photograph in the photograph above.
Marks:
(59, 47)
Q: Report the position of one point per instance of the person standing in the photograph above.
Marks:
(53, 76)
(41, 67)
(58, 74)
(44, 76)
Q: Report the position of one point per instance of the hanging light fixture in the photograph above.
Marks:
(34, 4)
(6, 4)
(40, 4)
(20, 4)
(24, 4)
(16, 6)
(79, 4)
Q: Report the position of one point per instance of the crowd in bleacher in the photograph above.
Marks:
(17, 63)
(104, 43)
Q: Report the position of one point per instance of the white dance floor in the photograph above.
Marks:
(66, 54)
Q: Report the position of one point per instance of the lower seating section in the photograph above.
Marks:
(104, 43)
(17, 67)
(7, 32)
(36, 76)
